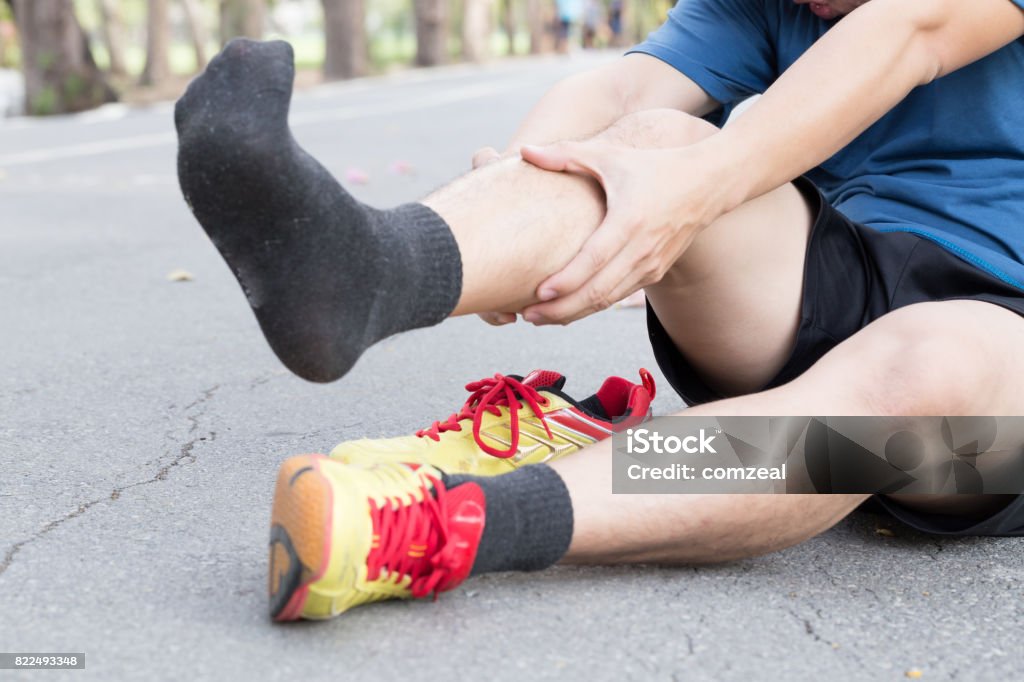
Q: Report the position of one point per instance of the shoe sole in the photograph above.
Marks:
(300, 534)
(320, 536)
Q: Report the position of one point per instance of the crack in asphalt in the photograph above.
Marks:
(811, 631)
(939, 549)
(183, 455)
(808, 628)
(56, 523)
(831, 578)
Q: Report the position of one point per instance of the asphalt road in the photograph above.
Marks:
(142, 422)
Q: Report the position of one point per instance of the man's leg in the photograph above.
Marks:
(335, 545)
(732, 301)
(966, 363)
(328, 276)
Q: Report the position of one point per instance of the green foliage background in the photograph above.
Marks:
(390, 25)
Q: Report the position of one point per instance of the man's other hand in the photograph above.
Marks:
(484, 156)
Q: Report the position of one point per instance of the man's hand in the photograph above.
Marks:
(657, 202)
(484, 156)
(586, 103)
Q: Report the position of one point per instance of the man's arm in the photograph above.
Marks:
(658, 200)
(849, 79)
(589, 102)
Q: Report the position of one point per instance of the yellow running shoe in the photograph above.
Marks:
(342, 535)
(515, 422)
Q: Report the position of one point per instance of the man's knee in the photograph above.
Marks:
(914, 361)
(654, 128)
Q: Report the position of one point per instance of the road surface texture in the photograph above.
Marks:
(142, 422)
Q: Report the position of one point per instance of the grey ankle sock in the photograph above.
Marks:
(528, 519)
(326, 275)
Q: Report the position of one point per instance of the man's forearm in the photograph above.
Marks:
(849, 79)
(576, 107)
(587, 103)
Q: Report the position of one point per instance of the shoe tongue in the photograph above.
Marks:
(544, 378)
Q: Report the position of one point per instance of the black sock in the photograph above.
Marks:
(529, 519)
(326, 275)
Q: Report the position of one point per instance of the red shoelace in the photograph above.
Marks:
(416, 536)
(487, 395)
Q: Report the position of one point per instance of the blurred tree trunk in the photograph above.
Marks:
(241, 18)
(197, 29)
(541, 16)
(631, 31)
(3, 44)
(158, 45)
(60, 73)
(476, 29)
(431, 32)
(3, 35)
(112, 31)
(509, 24)
(345, 50)
(639, 18)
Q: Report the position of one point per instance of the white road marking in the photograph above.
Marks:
(73, 151)
(104, 114)
(437, 99)
(86, 149)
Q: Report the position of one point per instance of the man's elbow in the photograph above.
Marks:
(603, 83)
(950, 34)
(924, 24)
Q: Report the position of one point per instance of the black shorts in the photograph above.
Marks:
(854, 274)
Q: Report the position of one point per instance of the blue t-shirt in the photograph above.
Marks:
(947, 162)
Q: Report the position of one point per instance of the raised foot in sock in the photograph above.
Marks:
(325, 275)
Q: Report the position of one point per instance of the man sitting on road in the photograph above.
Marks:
(853, 244)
